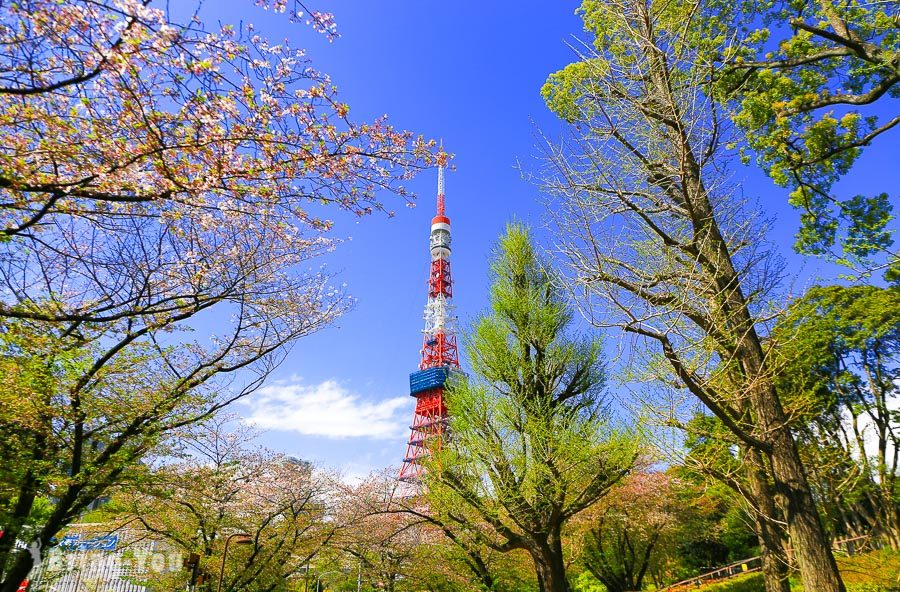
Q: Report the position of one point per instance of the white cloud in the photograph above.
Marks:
(325, 409)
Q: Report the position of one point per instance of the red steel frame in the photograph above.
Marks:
(439, 282)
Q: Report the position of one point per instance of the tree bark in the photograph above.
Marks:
(15, 565)
(768, 532)
(481, 571)
(811, 547)
(548, 562)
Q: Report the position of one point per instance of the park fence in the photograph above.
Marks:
(848, 546)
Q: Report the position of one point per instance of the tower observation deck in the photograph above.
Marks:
(439, 352)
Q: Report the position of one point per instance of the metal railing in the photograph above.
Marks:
(850, 546)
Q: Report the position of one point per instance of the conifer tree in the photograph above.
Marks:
(531, 444)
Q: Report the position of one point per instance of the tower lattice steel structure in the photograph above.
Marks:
(439, 353)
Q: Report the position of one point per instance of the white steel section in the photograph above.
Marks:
(440, 180)
(440, 242)
(439, 316)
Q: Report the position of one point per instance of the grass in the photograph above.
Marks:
(745, 583)
(878, 571)
(879, 568)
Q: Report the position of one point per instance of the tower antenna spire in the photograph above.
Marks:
(442, 163)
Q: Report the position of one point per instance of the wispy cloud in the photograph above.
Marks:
(325, 409)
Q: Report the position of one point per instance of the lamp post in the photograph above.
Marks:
(242, 539)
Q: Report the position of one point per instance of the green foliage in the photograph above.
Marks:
(574, 93)
(75, 422)
(822, 333)
(836, 352)
(803, 78)
(532, 445)
(586, 582)
(52, 423)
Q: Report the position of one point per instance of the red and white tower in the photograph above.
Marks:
(439, 354)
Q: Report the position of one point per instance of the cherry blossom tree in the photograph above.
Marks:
(222, 485)
(628, 528)
(142, 159)
(405, 543)
(155, 174)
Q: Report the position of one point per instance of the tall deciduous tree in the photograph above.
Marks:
(839, 349)
(656, 243)
(531, 445)
(811, 83)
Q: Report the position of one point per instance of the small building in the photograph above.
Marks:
(103, 558)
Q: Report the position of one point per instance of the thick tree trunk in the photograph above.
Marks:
(811, 547)
(17, 572)
(20, 564)
(892, 524)
(7, 546)
(771, 542)
(67, 505)
(549, 564)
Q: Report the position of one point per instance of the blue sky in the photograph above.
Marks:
(469, 73)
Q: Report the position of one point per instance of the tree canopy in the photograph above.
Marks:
(532, 446)
(811, 83)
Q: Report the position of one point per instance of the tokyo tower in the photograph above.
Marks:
(439, 354)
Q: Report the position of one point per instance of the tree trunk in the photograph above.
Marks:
(485, 578)
(475, 562)
(479, 568)
(67, 505)
(730, 306)
(891, 523)
(811, 547)
(549, 565)
(771, 542)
